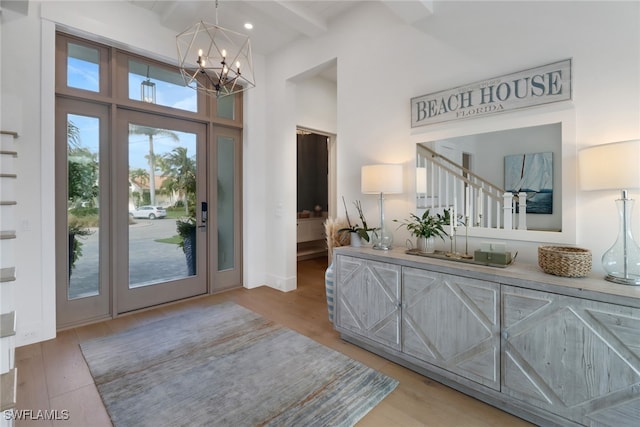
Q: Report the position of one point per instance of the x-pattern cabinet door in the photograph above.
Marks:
(368, 299)
(452, 322)
(577, 358)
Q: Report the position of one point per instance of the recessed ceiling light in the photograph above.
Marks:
(248, 26)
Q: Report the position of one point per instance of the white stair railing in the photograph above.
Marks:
(474, 200)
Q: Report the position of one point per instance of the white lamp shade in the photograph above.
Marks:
(613, 166)
(385, 178)
(421, 180)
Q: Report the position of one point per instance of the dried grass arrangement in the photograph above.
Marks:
(331, 227)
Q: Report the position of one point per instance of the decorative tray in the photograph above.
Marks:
(456, 257)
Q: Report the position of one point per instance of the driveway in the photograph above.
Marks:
(149, 261)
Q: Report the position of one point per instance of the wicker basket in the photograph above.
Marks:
(564, 261)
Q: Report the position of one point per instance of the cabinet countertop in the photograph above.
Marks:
(520, 274)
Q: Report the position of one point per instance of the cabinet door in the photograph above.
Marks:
(368, 299)
(310, 229)
(577, 358)
(452, 322)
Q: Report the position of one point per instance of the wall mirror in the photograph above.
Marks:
(468, 169)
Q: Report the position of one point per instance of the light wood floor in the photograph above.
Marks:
(53, 375)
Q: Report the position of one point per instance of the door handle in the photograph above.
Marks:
(204, 210)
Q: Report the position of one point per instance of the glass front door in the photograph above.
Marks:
(134, 227)
(160, 206)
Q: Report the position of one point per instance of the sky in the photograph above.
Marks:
(84, 74)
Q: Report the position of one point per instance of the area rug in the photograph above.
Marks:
(225, 365)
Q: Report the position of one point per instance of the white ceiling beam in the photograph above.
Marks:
(410, 11)
(170, 8)
(21, 6)
(297, 17)
(181, 14)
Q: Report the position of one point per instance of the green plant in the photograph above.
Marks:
(427, 225)
(76, 230)
(361, 231)
(186, 228)
(82, 175)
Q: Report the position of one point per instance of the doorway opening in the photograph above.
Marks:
(315, 190)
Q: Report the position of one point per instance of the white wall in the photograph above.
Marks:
(254, 191)
(316, 103)
(21, 105)
(383, 63)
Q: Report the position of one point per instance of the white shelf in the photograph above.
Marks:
(8, 372)
(7, 274)
(7, 234)
(7, 324)
(8, 387)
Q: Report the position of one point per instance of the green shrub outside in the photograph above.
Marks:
(84, 217)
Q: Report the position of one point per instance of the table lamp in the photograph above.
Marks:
(616, 166)
(381, 179)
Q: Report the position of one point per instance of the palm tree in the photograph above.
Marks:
(73, 136)
(180, 170)
(152, 132)
(138, 176)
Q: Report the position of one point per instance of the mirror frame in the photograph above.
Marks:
(530, 117)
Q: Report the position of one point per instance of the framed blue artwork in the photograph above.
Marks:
(533, 174)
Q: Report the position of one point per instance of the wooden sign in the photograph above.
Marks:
(536, 86)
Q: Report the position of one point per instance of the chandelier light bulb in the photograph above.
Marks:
(200, 60)
(213, 74)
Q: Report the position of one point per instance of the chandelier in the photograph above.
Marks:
(215, 60)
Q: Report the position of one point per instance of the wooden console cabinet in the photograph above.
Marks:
(552, 350)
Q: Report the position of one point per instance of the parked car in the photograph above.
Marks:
(151, 212)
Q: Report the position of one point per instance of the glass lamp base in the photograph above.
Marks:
(382, 247)
(382, 240)
(622, 261)
(631, 281)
